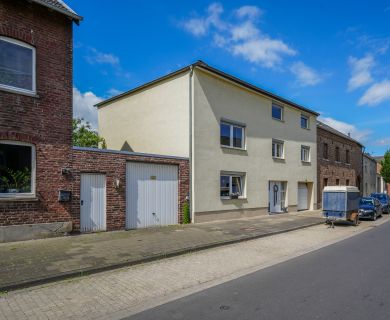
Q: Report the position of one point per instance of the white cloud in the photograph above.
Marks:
(383, 142)
(114, 92)
(250, 12)
(305, 75)
(376, 94)
(97, 57)
(200, 26)
(83, 106)
(240, 36)
(360, 72)
(264, 51)
(346, 128)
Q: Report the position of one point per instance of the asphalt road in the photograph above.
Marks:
(347, 280)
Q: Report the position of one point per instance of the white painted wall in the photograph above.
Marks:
(214, 99)
(153, 120)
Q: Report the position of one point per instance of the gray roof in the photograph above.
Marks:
(336, 132)
(202, 65)
(60, 6)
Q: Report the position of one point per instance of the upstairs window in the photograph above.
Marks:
(277, 112)
(232, 135)
(277, 149)
(347, 159)
(17, 65)
(304, 122)
(305, 154)
(337, 154)
(325, 151)
(17, 169)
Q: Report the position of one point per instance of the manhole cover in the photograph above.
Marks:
(224, 308)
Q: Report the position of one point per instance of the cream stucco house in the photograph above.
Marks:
(251, 152)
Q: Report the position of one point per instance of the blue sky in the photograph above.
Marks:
(330, 56)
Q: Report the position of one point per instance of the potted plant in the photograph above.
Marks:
(16, 181)
(234, 195)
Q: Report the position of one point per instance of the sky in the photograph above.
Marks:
(330, 56)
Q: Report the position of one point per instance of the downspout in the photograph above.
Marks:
(191, 201)
(362, 181)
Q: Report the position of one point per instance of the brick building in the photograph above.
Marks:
(339, 159)
(39, 169)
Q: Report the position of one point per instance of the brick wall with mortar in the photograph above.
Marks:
(44, 120)
(113, 164)
(332, 169)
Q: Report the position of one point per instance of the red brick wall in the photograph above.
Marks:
(332, 170)
(114, 166)
(44, 120)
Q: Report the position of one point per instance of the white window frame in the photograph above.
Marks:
(231, 136)
(242, 176)
(281, 112)
(305, 148)
(307, 121)
(33, 171)
(277, 143)
(16, 89)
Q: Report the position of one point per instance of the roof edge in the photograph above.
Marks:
(203, 65)
(70, 13)
(336, 132)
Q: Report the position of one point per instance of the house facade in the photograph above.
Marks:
(369, 174)
(340, 159)
(35, 110)
(381, 185)
(251, 152)
(47, 186)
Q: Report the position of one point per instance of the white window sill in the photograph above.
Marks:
(305, 128)
(18, 198)
(280, 120)
(277, 158)
(306, 162)
(19, 91)
(228, 198)
(233, 148)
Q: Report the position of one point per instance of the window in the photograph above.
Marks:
(277, 149)
(277, 112)
(305, 154)
(232, 135)
(325, 182)
(304, 122)
(17, 65)
(325, 151)
(347, 160)
(231, 186)
(337, 151)
(337, 182)
(17, 169)
(347, 182)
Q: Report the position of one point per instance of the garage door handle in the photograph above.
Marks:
(154, 213)
(81, 202)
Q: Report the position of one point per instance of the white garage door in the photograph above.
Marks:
(151, 195)
(93, 202)
(302, 196)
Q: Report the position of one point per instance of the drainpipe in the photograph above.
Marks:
(191, 201)
(362, 182)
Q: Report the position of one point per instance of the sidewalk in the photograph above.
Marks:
(27, 263)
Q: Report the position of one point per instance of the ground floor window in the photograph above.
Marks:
(231, 186)
(17, 169)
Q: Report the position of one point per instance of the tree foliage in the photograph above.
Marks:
(85, 136)
(385, 171)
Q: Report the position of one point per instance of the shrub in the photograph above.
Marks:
(186, 213)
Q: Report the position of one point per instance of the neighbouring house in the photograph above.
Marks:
(369, 174)
(251, 152)
(47, 186)
(340, 159)
(381, 185)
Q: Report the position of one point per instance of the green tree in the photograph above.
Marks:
(385, 171)
(85, 136)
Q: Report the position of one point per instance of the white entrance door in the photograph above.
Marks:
(275, 196)
(302, 196)
(93, 202)
(151, 195)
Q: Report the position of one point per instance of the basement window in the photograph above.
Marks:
(17, 169)
(17, 66)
